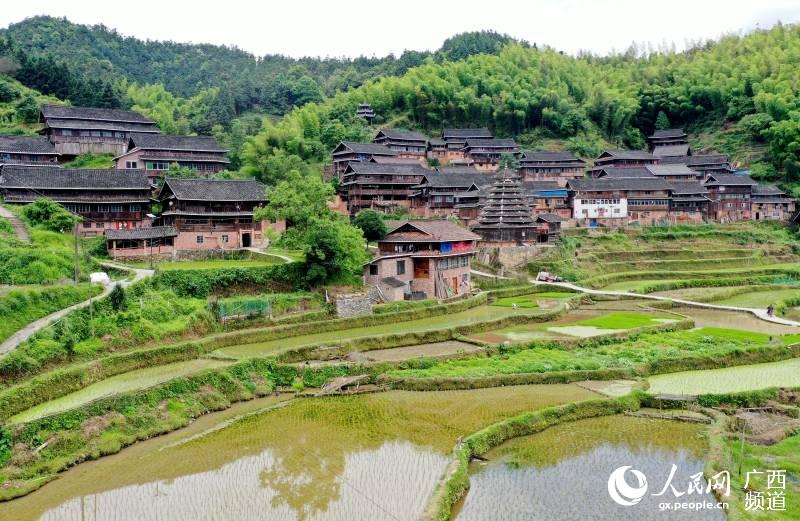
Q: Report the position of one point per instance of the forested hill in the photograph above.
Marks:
(270, 84)
(738, 95)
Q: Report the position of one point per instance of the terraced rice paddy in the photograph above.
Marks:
(315, 459)
(729, 380)
(131, 381)
(540, 476)
(759, 299)
(470, 316)
(437, 349)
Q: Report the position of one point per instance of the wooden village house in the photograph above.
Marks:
(689, 203)
(769, 203)
(27, 150)
(550, 166)
(348, 152)
(671, 142)
(81, 130)
(379, 186)
(623, 158)
(547, 197)
(156, 152)
(154, 242)
(422, 259)
(730, 196)
(210, 214)
(455, 139)
(485, 153)
(407, 143)
(103, 198)
(438, 194)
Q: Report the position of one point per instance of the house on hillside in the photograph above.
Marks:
(730, 196)
(27, 150)
(671, 142)
(547, 197)
(365, 111)
(155, 242)
(455, 139)
(769, 203)
(485, 153)
(422, 259)
(703, 163)
(438, 194)
(348, 152)
(599, 202)
(81, 130)
(156, 152)
(407, 143)
(674, 172)
(211, 214)
(103, 198)
(550, 166)
(623, 158)
(379, 186)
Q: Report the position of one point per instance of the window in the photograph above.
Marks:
(136, 208)
(98, 225)
(157, 165)
(401, 267)
(66, 132)
(373, 269)
(464, 261)
(131, 164)
(453, 262)
(83, 208)
(95, 133)
(108, 133)
(225, 238)
(116, 207)
(87, 224)
(102, 208)
(71, 208)
(199, 239)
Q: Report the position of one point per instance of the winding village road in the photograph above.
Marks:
(758, 312)
(31, 329)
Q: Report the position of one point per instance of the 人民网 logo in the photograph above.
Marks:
(621, 492)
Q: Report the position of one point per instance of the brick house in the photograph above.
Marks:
(210, 214)
(422, 259)
(81, 130)
(547, 197)
(27, 150)
(156, 152)
(103, 198)
(550, 166)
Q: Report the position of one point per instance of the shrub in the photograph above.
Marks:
(49, 214)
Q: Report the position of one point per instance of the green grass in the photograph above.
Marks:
(524, 301)
(222, 263)
(555, 294)
(645, 349)
(391, 307)
(621, 321)
(759, 299)
(92, 161)
(296, 255)
(785, 373)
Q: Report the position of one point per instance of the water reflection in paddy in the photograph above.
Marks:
(543, 476)
(315, 459)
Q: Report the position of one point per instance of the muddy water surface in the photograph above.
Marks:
(370, 457)
(562, 473)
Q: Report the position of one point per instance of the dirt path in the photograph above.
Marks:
(760, 313)
(19, 226)
(286, 259)
(31, 329)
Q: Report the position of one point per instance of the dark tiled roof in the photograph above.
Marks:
(671, 150)
(26, 145)
(78, 124)
(437, 230)
(688, 187)
(707, 159)
(625, 154)
(463, 133)
(49, 177)
(459, 169)
(491, 143)
(458, 180)
(392, 160)
(671, 169)
(364, 148)
(767, 190)
(393, 282)
(668, 132)
(436, 141)
(150, 232)
(96, 114)
(387, 169)
(216, 189)
(550, 218)
(182, 143)
(729, 180)
(625, 173)
(403, 134)
(553, 157)
(601, 185)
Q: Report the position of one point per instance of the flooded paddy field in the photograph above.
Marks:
(734, 320)
(541, 476)
(131, 381)
(370, 457)
(435, 349)
(785, 373)
(470, 316)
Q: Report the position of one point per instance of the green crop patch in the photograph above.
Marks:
(623, 321)
(524, 301)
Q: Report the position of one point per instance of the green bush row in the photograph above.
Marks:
(706, 283)
(449, 491)
(203, 282)
(605, 280)
(405, 305)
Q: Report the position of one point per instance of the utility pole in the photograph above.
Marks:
(77, 266)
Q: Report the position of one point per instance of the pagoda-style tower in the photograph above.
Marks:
(365, 111)
(506, 217)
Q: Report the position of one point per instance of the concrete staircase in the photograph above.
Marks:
(19, 226)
